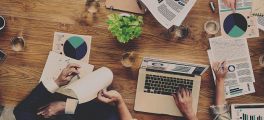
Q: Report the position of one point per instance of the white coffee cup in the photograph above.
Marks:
(2, 22)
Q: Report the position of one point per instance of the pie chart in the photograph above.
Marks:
(235, 25)
(75, 47)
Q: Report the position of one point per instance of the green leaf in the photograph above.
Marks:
(109, 22)
(121, 38)
(129, 30)
(140, 19)
(137, 33)
(114, 17)
(126, 20)
(136, 23)
(133, 18)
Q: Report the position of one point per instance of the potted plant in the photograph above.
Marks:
(125, 28)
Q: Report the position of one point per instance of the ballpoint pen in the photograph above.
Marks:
(77, 74)
(221, 67)
(139, 5)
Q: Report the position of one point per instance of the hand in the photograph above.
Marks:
(184, 103)
(222, 73)
(109, 96)
(52, 110)
(67, 74)
(231, 4)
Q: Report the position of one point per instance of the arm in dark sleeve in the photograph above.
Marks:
(96, 110)
(27, 109)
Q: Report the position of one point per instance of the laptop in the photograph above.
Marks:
(247, 111)
(159, 78)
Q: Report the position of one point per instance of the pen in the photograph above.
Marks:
(221, 67)
(139, 5)
(77, 74)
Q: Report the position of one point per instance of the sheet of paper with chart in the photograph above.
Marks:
(240, 78)
(56, 63)
(169, 12)
(72, 45)
(240, 24)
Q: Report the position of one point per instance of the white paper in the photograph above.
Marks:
(260, 22)
(72, 45)
(55, 64)
(167, 12)
(179, 21)
(87, 88)
(240, 24)
(240, 77)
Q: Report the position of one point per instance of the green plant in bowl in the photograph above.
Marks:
(125, 28)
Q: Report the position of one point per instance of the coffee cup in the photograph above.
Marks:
(2, 22)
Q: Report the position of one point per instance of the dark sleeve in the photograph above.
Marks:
(96, 111)
(27, 109)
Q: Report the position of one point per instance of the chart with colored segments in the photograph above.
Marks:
(71, 45)
(238, 25)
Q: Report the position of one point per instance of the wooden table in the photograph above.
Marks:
(37, 20)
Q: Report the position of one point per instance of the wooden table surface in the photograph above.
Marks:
(37, 20)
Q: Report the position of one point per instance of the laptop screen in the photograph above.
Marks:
(173, 66)
(248, 112)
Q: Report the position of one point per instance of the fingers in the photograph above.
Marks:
(175, 98)
(187, 92)
(72, 70)
(43, 107)
(179, 95)
(225, 68)
(102, 98)
(190, 94)
(232, 6)
(106, 94)
(235, 4)
(183, 92)
(71, 65)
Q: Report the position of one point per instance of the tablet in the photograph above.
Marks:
(247, 111)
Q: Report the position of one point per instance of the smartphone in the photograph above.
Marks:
(2, 57)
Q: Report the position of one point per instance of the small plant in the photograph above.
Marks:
(125, 28)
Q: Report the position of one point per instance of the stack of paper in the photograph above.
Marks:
(240, 78)
(169, 12)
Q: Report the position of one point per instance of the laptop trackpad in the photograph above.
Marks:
(166, 105)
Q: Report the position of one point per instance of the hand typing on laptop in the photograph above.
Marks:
(184, 103)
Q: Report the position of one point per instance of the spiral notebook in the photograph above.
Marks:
(257, 8)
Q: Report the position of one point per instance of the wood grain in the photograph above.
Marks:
(37, 20)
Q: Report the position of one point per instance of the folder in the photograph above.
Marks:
(126, 5)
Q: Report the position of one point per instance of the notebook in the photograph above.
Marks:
(257, 8)
(126, 5)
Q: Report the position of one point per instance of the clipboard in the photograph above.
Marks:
(126, 5)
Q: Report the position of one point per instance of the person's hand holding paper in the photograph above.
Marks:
(87, 88)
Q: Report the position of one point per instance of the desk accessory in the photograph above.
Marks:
(261, 60)
(257, 8)
(212, 6)
(252, 111)
(139, 5)
(18, 43)
(2, 22)
(128, 59)
(92, 6)
(182, 31)
(126, 5)
(125, 28)
(2, 57)
(211, 27)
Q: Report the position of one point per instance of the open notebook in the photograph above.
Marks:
(257, 7)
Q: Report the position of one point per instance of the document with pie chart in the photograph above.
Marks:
(72, 45)
(240, 24)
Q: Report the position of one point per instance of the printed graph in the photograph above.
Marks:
(235, 25)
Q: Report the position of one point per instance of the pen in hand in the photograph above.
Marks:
(77, 74)
(221, 67)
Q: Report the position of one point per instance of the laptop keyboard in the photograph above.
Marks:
(165, 85)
